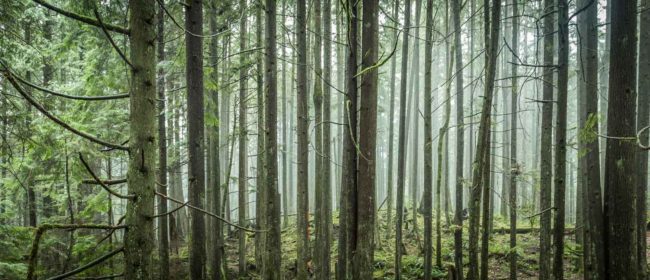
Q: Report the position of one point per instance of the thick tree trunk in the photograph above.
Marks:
(138, 241)
(163, 234)
(195, 145)
(621, 155)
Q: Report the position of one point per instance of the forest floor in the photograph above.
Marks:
(413, 259)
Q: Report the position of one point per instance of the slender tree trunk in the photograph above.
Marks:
(325, 235)
(621, 155)
(546, 172)
(272, 258)
(163, 234)
(643, 111)
(242, 136)
(303, 143)
(428, 142)
(487, 202)
(514, 120)
(492, 28)
(401, 156)
(260, 198)
(460, 143)
(560, 139)
(196, 167)
(391, 126)
(138, 241)
(285, 127)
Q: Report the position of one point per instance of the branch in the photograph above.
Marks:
(162, 5)
(209, 214)
(172, 211)
(82, 18)
(33, 254)
(101, 183)
(88, 265)
(110, 39)
(75, 97)
(638, 139)
(105, 182)
(540, 213)
(40, 108)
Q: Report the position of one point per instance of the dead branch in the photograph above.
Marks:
(108, 189)
(88, 265)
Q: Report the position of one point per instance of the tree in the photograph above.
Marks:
(243, 143)
(303, 148)
(481, 172)
(546, 173)
(260, 198)
(138, 244)
(621, 154)
(364, 254)
(514, 165)
(391, 126)
(163, 235)
(428, 142)
(560, 139)
(272, 257)
(643, 111)
(196, 167)
(460, 143)
(401, 157)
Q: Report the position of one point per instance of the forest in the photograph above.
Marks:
(324, 139)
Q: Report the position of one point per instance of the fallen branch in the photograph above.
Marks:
(108, 189)
(88, 265)
(33, 254)
(209, 214)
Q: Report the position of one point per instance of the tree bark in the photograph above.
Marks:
(428, 142)
(138, 244)
(302, 210)
(163, 234)
(460, 143)
(643, 111)
(621, 155)
(514, 165)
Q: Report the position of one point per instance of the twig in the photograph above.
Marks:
(101, 183)
(209, 214)
(88, 265)
(40, 108)
(172, 211)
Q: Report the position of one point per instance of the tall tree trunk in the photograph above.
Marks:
(272, 258)
(560, 139)
(317, 97)
(514, 121)
(481, 160)
(163, 234)
(286, 143)
(195, 140)
(324, 231)
(242, 193)
(460, 143)
(260, 198)
(302, 121)
(138, 244)
(428, 142)
(401, 156)
(414, 119)
(487, 178)
(621, 155)
(391, 126)
(546, 172)
(643, 111)
(216, 230)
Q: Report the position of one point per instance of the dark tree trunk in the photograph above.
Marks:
(514, 165)
(302, 130)
(163, 234)
(242, 193)
(428, 142)
(195, 145)
(260, 198)
(643, 103)
(621, 155)
(460, 143)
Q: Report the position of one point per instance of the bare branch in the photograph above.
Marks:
(101, 183)
(75, 97)
(105, 182)
(110, 39)
(88, 265)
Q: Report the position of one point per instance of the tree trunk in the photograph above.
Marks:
(514, 165)
(163, 235)
(621, 155)
(401, 156)
(428, 142)
(546, 172)
(260, 198)
(325, 229)
(242, 193)
(642, 121)
(460, 143)
(303, 144)
(391, 126)
(492, 28)
(138, 241)
(272, 258)
(196, 167)
(285, 127)
(560, 139)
